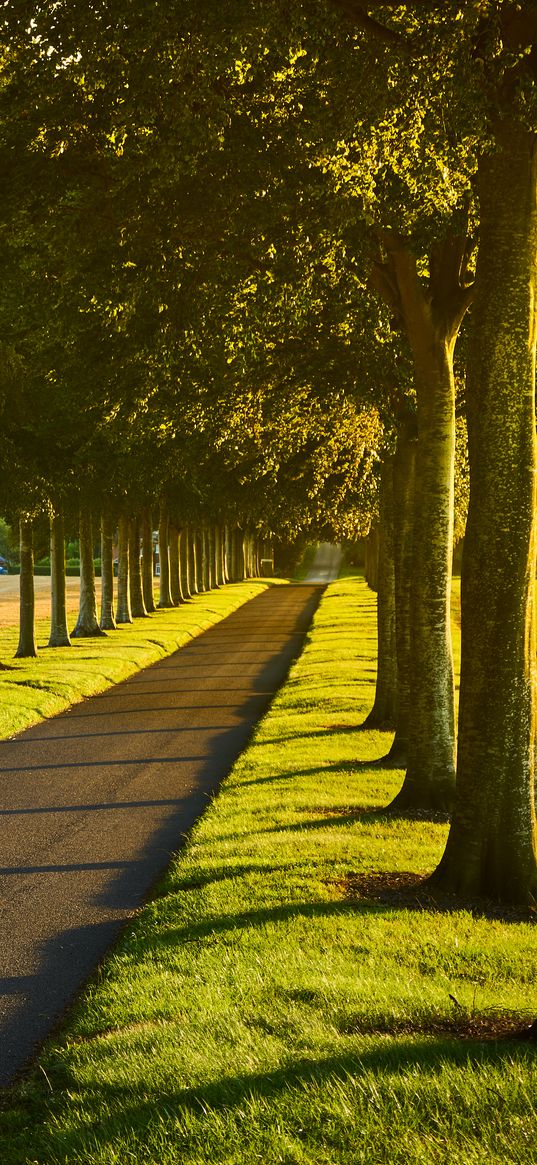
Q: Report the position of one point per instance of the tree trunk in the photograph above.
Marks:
(430, 777)
(59, 634)
(194, 561)
(491, 848)
(403, 491)
(87, 626)
(226, 550)
(372, 558)
(147, 561)
(184, 562)
(165, 598)
(174, 540)
(202, 560)
(384, 711)
(232, 555)
(240, 552)
(123, 610)
(218, 557)
(208, 557)
(432, 315)
(107, 622)
(211, 557)
(247, 550)
(27, 647)
(138, 610)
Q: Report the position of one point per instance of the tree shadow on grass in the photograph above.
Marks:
(367, 894)
(331, 818)
(198, 880)
(141, 1107)
(342, 766)
(407, 890)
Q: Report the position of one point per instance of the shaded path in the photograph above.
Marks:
(93, 802)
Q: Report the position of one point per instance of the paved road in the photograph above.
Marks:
(93, 802)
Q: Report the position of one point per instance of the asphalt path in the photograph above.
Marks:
(94, 802)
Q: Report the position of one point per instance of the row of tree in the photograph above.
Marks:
(245, 241)
(190, 562)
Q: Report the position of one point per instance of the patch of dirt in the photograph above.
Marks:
(488, 1026)
(342, 810)
(410, 891)
(381, 811)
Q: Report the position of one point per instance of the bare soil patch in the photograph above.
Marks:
(406, 890)
(492, 1025)
(9, 598)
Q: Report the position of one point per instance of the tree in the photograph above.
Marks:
(481, 64)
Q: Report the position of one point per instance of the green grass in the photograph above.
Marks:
(33, 689)
(256, 1012)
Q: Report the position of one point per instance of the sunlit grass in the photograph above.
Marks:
(255, 1011)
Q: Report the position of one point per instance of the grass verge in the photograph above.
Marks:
(260, 1009)
(33, 689)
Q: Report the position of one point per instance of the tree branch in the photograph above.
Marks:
(451, 291)
(413, 297)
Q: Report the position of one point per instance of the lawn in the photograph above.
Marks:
(272, 1002)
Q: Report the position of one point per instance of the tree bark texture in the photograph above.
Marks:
(211, 565)
(87, 626)
(123, 609)
(202, 560)
(242, 573)
(27, 647)
(174, 539)
(147, 561)
(165, 598)
(138, 610)
(220, 576)
(228, 555)
(184, 562)
(403, 524)
(430, 776)
(372, 558)
(59, 634)
(194, 560)
(107, 621)
(248, 555)
(491, 848)
(384, 711)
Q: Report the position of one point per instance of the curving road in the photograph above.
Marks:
(94, 802)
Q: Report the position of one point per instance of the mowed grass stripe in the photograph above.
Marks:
(255, 1011)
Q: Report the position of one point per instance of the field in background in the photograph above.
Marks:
(9, 597)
